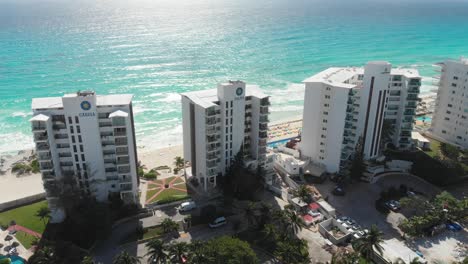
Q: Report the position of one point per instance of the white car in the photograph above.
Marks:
(187, 206)
(220, 221)
(313, 213)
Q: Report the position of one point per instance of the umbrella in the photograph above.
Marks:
(8, 238)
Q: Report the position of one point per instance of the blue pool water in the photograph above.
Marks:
(424, 118)
(277, 143)
(14, 259)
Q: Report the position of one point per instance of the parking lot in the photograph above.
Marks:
(358, 203)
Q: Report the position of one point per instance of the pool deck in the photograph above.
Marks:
(22, 252)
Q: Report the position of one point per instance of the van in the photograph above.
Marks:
(220, 221)
(187, 206)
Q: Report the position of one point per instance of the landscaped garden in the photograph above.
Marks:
(166, 190)
(25, 216)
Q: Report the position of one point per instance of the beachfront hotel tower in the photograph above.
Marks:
(345, 105)
(450, 119)
(89, 138)
(219, 123)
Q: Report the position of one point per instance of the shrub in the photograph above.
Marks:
(163, 167)
(35, 166)
(21, 168)
(151, 175)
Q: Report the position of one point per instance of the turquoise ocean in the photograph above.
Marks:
(156, 49)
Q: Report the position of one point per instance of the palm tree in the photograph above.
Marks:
(125, 258)
(303, 192)
(179, 162)
(169, 225)
(177, 251)
(372, 240)
(249, 213)
(44, 255)
(88, 260)
(43, 213)
(345, 258)
(197, 253)
(156, 251)
(294, 223)
(270, 233)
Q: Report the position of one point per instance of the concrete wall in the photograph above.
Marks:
(22, 201)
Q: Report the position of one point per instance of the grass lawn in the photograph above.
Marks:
(171, 193)
(153, 232)
(179, 180)
(150, 193)
(25, 216)
(25, 239)
(435, 148)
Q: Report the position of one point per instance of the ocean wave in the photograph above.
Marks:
(293, 92)
(169, 137)
(170, 97)
(10, 143)
(21, 114)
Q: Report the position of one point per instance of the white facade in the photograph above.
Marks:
(450, 119)
(90, 138)
(342, 105)
(218, 123)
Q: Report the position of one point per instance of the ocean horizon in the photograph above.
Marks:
(158, 49)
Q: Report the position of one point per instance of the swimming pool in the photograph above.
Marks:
(424, 118)
(277, 143)
(14, 259)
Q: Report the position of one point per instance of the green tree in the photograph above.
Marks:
(293, 251)
(366, 244)
(303, 192)
(169, 225)
(88, 260)
(43, 213)
(197, 253)
(249, 214)
(230, 251)
(294, 223)
(45, 255)
(179, 163)
(177, 251)
(342, 257)
(357, 163)
(449, 151)
(125, 258)
(156, 251)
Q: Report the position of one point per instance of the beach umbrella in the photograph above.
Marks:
(8, 238)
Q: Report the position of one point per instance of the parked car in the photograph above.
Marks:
(338, 190)
(187, 206)
(342, 219)
(452, 226)
(393, 205)
(220, 221)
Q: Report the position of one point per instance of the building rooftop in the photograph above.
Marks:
(101, 100)
(206, 98)
(339, 75)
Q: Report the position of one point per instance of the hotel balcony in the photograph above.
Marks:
(263, 127)
(39, 128)
(123, 161)
(125, 187)
(123, 169)
(213, 130)
(265, 102)
(120, 133)
(44, 156)
(264, 119)
(125, 180)
(112, 178)
(409, 112)
(119, 122)
(212, 112)
(212, 120)
(121, 142)
(105, 123)
(42, 147)
(262, 142)
(212, 139)
(121, 151)
(109, 155)
(212, 147)
(263, 134)
(413, 90)
(412, 97)
(262, 151)
(264, 110)
(58, 127)
(48, 175)
(212, 156)
(211, 164)
(111, 174)
(40, 137)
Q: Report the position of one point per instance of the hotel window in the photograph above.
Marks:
(83, 157)
(77, 167)
(77, 120)
(76, 158)
(454, 85)
(449, 105)
(73, 139)
(324, 128)
(321, 143)
(79, 139)
(322, 151)
(230, 128)
(227, 112)
(78, 129)
(231, 120)
(226, 147)
(230, 136)
(227, 104)
(84, 166)
(74, 148)
(323, 136)
(71, 129)
(447, 118)
(231, 111)
(328, 89)
(325, 121)
(455, 77)
(81, 148)
(227, 130)
(326, 105)
(444, 132)
(327, 97)
(70, 120)
(325, 113)
(230, 152)
(231, 103)
(230, 145)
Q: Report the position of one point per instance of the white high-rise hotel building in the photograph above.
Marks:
(343, 104)
(218, 123)
(90, 138)
(450, 119)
